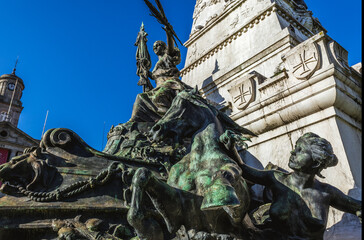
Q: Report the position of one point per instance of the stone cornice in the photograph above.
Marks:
(255, 21)
(340, 98)
(293, 89)
(330, 112)
(249, 64)
(211, 23)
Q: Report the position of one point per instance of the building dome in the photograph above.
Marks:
(12, 76)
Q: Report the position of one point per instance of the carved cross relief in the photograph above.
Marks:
(306, 64)
(340, 54)
(304, 61)
(243, 93)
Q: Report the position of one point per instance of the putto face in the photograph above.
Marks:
(301, 159)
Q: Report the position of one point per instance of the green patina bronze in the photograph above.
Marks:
(301, 203)
(171, 172)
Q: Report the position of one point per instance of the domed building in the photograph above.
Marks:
(13, 141)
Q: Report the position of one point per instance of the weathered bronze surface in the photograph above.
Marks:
(172, 172)
(143, 60)
(152, 105)
(299, 202)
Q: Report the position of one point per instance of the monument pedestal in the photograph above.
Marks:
(275, 71)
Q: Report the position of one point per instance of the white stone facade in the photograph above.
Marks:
(273, 68)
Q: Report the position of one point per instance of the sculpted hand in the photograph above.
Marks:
(229, 138)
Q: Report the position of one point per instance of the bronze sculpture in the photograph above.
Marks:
(172, 172)
(143, 60)
(301, 203)
(206, 180)
(151, 106)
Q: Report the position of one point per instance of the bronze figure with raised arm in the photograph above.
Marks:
(151, 106)
(300, 203)
(169, 55)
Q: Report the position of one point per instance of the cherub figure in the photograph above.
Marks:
(300, 203)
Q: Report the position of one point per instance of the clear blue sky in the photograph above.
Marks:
(77, 57)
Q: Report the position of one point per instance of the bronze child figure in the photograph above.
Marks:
(300, 203)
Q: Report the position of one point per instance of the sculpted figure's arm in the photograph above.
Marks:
(170, 42)
(172, 50)
(343, 202)
(254, 175)
(229, 139)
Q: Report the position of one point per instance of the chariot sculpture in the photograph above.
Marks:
(173, 171)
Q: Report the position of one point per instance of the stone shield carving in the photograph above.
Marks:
(339, 54)
(243, 93)
(304, 61)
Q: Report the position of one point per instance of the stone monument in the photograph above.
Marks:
(180, 168)
(270, 65)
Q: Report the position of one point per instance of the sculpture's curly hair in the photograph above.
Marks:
(160, 43)
(321, 151)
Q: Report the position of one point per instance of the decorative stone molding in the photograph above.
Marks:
(298, 9)
(340, 55)
(243, 93)
(232, 76)
(201, 6)
(357, 68)
(303, 60)
(273, 80)
(274, 8)
(203, 29)
(325, 96)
